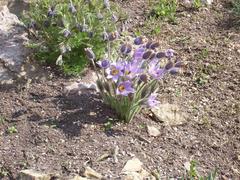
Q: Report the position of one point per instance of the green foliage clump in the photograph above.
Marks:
(236, 7)
(193, 174)
(165, 9)
(63, 28)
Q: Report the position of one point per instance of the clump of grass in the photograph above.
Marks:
(192, 173)
(2, 119)
(164, 9)
(12, 130)
(236, 7)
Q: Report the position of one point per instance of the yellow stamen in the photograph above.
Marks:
(121, 88)
(114, 71)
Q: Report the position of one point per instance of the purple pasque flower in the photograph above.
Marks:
(138, 54)
(124, 88)
(169, 53)
(72, 8)
(155, 71)
(114, 71)
(104, 63)
(66, 33)
(132, 69)
(152, 101)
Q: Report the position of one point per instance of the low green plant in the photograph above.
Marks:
(3, 172)
(164, 9)
(63, 28)
(12, 130)
(2, 119)
(197, 4)
(193, 174)
(236, 7)
(128, 80)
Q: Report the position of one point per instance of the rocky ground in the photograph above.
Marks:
(44, 129)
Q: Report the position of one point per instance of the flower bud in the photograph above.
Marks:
(114, 18)
(46, 23)
(154, 45)
(148, 54)
(148, 45)
(178, 64)
(169, 65)
(51, 12)
(79, 27)
(90, 34)
(138, 40)
(126, 49)
(32, 25)
(144, 78)
(106, 4)
(112, 36)
(89, 53)
(174, 70)
(66, 33)
(84, 28)
(72, 8)
(160, 55)
(105, 36)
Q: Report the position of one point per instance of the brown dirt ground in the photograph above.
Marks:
(58, 133)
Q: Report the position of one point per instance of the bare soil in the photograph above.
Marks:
(60, 134)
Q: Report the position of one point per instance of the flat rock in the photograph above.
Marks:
(153, 131)
(169, 114)
(133, 165)
(14, 56)
(30, 174)
(90, 173)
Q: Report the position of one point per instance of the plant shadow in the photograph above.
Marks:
(78, 111)
(230, 21)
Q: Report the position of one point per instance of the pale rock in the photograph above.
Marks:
(169, 114)
(30, 174)
(79, 178)
(142, 175)
(15, 64)
(133, 165)
(153, 131)
(187, 166)
(90, 173)
(208, 2)
(79, 88)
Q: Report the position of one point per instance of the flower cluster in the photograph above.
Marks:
(66, 27)
(129, 82)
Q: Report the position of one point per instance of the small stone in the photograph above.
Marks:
(30, 174)
(139, 176)
(169, 114)
(153, 131)
(133, 165)
(90, 173)
(187, 166)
